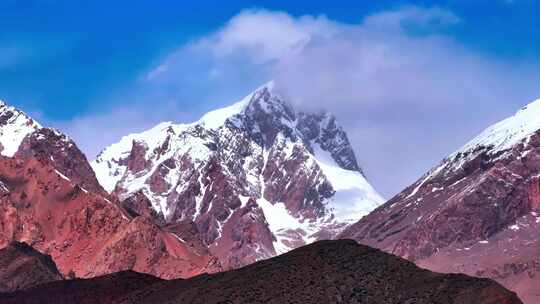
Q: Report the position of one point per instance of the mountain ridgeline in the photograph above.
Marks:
(323, 272)
(258, 179)
(242, 184)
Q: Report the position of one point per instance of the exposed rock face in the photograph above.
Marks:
(64, 156)
(23, 267)
(21, 136)
(51, 200)
(478, 212)
(86, 234)
(258, 178)
(323, 272)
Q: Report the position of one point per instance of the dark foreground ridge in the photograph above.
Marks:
(324, 272)
(23, 267)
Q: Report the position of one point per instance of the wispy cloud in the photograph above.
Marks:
(407, 93)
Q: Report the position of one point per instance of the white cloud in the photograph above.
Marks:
(408, 93)
(266, 35)
(155, 72)
(433, 17)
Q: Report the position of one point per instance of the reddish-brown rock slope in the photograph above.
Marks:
(50, 198)
(324, 272)
(86, 234)
(478, 212)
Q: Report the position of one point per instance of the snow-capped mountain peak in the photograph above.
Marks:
(289, 175)
(496, 141)
(262, 101)
(23, 137)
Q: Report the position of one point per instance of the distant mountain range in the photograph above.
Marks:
(258, 179)
(242, 184)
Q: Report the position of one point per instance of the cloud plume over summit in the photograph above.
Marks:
(406, 91)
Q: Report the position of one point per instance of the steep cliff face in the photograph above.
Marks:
(258, 178)
(478, 212)
(51, 200)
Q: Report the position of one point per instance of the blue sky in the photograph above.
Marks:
(77, 64)
(73, 53)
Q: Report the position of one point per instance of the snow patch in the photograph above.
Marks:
(177, 237)
(15, 129)
(426, 178)
(354, 197)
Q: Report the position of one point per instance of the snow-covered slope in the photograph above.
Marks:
(506, 133)
(291, 176)
(354, 197)
(501, 136)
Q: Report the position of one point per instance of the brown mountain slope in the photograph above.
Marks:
(324, 272)
(86, 234)
(50, 198)
(21, 267)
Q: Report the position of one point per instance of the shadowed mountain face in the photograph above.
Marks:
(23, 267)
(324, 272)
(477, 212)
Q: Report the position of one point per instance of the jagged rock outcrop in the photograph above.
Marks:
(477, 212)
(258, 178)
